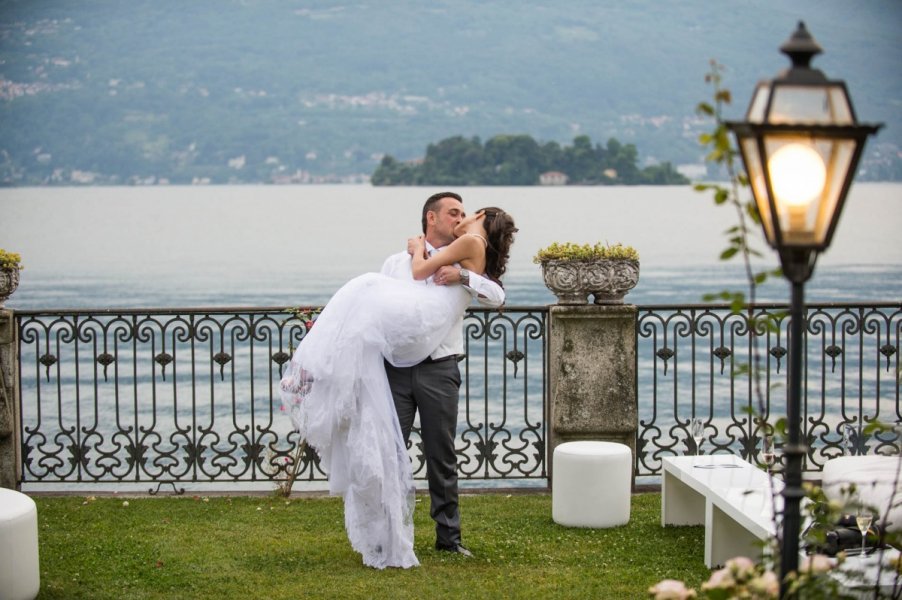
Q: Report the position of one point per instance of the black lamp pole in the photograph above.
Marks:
(795, 268)
(800, 143)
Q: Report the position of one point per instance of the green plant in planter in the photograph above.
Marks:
(599, 251)
(573, 271)
(10, 265)
(10, 261)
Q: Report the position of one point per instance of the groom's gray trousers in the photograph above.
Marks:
(431, 388)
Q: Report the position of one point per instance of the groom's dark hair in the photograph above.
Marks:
(435, 199)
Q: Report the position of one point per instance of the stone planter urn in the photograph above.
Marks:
(567, 280)
(609, 280)
(573, 280)
(9, 281)
(573, 271)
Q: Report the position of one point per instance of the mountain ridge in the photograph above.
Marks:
(262, 91)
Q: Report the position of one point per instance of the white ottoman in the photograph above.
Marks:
(20, 576)
(591, 484)
(874, 477)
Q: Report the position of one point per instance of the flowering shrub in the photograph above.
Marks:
(291, 468)
(742, 578)
(307, 315)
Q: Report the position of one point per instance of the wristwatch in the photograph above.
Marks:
(464, 277)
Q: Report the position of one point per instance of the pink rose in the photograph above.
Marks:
(741, 567)
(767, 584)
(816, 563)
(671, 589)
(720, 579)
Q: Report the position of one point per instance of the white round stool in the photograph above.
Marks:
(20, 576)
(591, 484)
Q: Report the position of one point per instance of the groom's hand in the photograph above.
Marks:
(447, 275)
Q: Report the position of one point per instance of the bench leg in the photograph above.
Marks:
(726, 539)
(680, 504)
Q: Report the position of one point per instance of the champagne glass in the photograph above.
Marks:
(697, 431)
(767, 452)
(863, 520)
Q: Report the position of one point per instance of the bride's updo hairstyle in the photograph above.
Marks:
(500, 230)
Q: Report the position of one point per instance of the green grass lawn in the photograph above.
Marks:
(265, 547)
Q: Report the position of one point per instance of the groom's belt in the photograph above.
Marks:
(429, 360)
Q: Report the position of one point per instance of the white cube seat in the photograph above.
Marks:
(20, 576)
(875, 478)
(591, 484)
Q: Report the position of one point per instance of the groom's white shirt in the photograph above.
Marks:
(486, 291)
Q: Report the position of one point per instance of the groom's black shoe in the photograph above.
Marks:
(457, 549)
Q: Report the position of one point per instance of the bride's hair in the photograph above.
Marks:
(500, 230)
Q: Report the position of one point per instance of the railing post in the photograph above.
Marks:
(9, 405)
(592, 375)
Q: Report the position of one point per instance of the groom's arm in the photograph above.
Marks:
(486, 291)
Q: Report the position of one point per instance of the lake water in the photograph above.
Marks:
(97, 247)
(290, 245)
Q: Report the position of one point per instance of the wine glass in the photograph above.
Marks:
(767, 452)
(863, 520)
(697, 431)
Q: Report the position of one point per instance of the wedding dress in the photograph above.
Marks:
(337, 394)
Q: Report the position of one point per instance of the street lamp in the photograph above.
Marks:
(800, 143)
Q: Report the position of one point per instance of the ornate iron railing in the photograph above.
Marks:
(695, 361)
(173, 396)
(176, 396)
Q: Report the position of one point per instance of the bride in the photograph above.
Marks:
(336, 390)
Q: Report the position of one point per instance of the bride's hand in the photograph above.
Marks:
(416, 244)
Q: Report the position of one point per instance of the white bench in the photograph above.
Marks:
(733, 499)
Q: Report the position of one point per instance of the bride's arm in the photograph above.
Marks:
(463, 248)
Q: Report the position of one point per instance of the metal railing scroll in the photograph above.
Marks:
(175, 396)
(694, 361)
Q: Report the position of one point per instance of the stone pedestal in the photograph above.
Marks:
(592, 375)
(9, 407)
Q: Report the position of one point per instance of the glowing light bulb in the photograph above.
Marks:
(797, 174)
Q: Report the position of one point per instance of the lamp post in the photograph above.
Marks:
(800, 143)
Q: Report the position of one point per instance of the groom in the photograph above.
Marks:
(431, 387)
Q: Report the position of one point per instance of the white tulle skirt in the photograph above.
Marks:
(337, 394)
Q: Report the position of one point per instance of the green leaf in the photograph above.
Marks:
(705, 108)
(721, 196)
(739, 370)
(728, 253)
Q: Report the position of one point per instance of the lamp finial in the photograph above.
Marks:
(801, 47)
